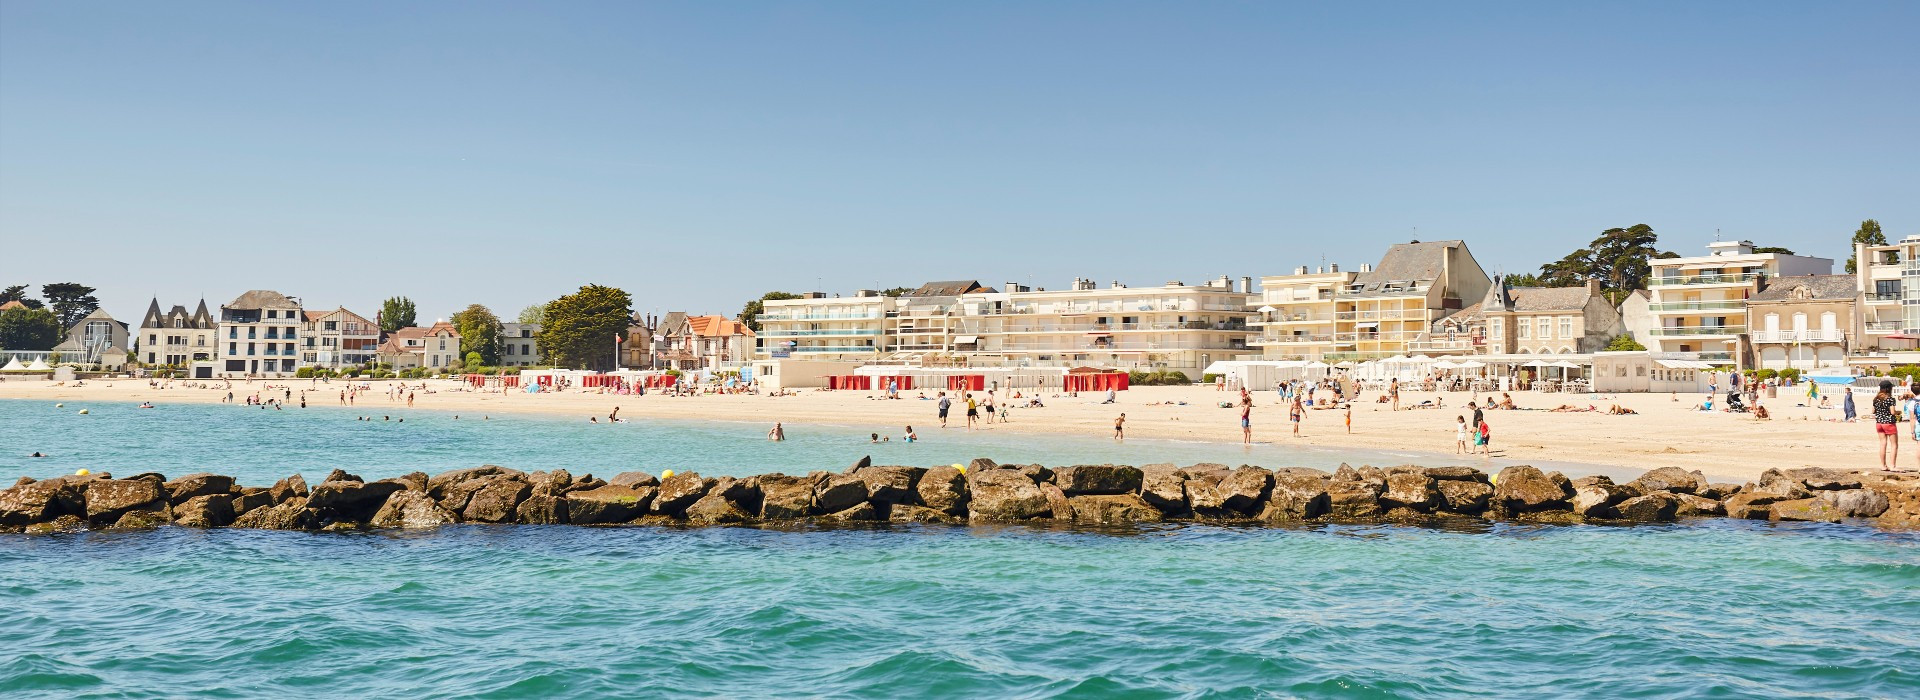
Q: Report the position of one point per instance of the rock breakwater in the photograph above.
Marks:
(983, 491)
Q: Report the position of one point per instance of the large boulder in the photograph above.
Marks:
(348, 500)
(1824, 479)
(196, 485)
(679, 491)
(1657, 507)
(1594, 500)
(1670, 479)
(551, 483)
(251, 497)
(289, 488)
(341, 475)
(833, 493)
(1004, 494)
(633, 479)
(1295, 498)
(540, 509)
(1097, 479)
(1352, 500)
(495, 501)
(411, 508)
(1694, 506)
(415, 480)
(1414, 490)
(144, 518)
(1165, 487)
(1112, 509)
(1057, 502)
(108, 499)
(291, 514)
(1855, 503)
(1237, 494)
(1779, 487)
(943, 489)
(438, 484)
(608, 504)
(1454, 474)
(1524, 489)
(785, 497)
(40, 501)
(715, 509)
(864, 511)
(1038, 473)
(1467, 497)
(903, 513)
(891, 484)
(1806, 509)
(1752, 505)
(210, 510)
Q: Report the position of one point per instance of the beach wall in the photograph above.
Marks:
(981, 492)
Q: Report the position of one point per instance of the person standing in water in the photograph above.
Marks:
(1120, 428)
(943, 404)
(777, 434)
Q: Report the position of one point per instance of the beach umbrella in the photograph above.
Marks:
(1316, 364)
(1423, 357)
(1345, 364)
(1535, 363)
(1396, 359)
(1267, 309)
(1445, 364)
(1473, 364)
(1563, 364)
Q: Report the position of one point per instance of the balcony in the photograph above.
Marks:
(1383, 315)
(874, 315)
(1874, 298)
(1684, 280)
(1822, 335)
(1883, 326)
(774, 333)
(1679, 331)
(1290, 339)
(833, 348)
(1683, 306)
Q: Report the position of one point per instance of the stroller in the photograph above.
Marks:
(1733, 402)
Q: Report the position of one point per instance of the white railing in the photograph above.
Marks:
(1823, 335)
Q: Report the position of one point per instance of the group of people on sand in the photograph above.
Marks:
(1478, 432)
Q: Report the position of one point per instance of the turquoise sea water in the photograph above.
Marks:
(1714, 609)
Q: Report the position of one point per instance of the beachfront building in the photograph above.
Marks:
(1805, 322)
(433, 348)
(689, 343)
(1701, 302)
(1532, 321)
(1888, 279)
(1173, 326)
(819, 327)
(520, 344)
(338, 338)
(259, 335)
(177, 338)
(1636, 313)
(1389, 309)
(1295, 318)
(96, 340)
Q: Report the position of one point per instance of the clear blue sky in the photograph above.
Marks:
(697, 154)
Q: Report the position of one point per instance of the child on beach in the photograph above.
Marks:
(1460, 435)
(1296, 414)
(1486, 438)
(943, 404)
(910, 436)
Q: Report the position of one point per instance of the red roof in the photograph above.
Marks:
(718, 326)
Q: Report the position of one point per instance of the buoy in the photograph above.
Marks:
(59, 405)
(83, 411)
(961, 467)
(82, 472)
(668, 474)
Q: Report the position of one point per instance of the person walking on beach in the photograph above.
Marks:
(973, 410)
(943, 404)
(1120, 428)
(1848, 412)
(1246, 419)
(1349, 417)
(1393, 390)
(1295, 414)
(988, 405)
(1460, 435)
(1884, 426)
(1486, 438)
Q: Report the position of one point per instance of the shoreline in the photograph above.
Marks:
(1663, 434)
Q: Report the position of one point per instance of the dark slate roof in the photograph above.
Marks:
(951, 288)
(1819, 288)
(1408, 262)
(260, 299)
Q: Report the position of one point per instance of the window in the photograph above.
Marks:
(233, 331)
(1566, 327)
(333, 325)
(233, 348)
(1546, 328)
(1495, 326)
(524, 350)
(1524, 328)
(443, 342)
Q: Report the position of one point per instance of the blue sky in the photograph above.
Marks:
(698, 154)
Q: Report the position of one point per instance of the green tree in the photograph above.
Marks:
(1624, 342)
(1527, 280)
(1773, 249)
(71, 301)
(396, 313)
(895, 292)
(18, 293)
(474, 361)
(535, 314)
(580, 328)
(1618, 258)
(479, 333)
(29, 329)
(754, 307)
(1868, 233)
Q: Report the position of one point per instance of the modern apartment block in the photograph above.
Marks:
(1700, 302)
(819, 327)
(259, 335)
(1173, 326)
(1295, 320)
(1888, 278)
(177, 338)
(338, 338)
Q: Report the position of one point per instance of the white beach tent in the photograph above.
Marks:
(39, 365)
(13, 365)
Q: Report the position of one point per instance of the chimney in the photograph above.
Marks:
(1593, 286)
(1301, 270)
(1246, 284)
(1333, 267)
(1118, 285)
(1366, 267)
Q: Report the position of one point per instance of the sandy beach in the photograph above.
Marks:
(1666, 432)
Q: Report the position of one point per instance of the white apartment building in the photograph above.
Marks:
(338, 338)
(520, 344)
(259, 335)
(1700, 303)
(1888, 278)
(177, 338)
(818, 327)
(1174, 326)
(1295, 320)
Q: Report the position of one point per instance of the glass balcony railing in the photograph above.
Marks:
(780, 333)
(852, 316)
(1698, 305)
(1698, 330)
(1680, 280)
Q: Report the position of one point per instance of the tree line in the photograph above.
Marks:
(40, 324)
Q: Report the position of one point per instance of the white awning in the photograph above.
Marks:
(966, 340)
(1367, 324)
(1684, 364)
